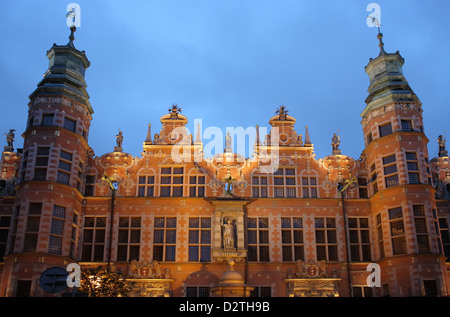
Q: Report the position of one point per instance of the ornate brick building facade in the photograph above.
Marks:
(191, 225)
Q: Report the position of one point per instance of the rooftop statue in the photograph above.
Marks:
(119, 141)
(10, 140)
(442, 151)
(335, 142)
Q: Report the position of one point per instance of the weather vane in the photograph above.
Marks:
(374, 20)
(73, 16)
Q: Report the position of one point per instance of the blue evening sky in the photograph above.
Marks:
(230, 63)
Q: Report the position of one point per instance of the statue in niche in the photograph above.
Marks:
(442, 151)
(227, 233)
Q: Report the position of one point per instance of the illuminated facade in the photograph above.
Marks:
(227, 225)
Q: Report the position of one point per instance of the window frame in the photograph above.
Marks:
(257, 248)
(167, 249)
(295, 245)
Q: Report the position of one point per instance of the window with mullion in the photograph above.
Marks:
(199, 239)
(89, 185)
(146, 185)
(284, 183)
(413, 167)
(326, 239)
(261, 291)
(258, 239)
(70, 124)
(74, 234)
(47, 120)
(444, 230)
(292, 239)
(197, 291)
(5, 222)
(171, 182)
(93, 238)
(309, 187)
(397, 230)
(385, 129)
(164, 239)
(259, 186)
(406, 125)
(57, 230)
(129, 238)
(379, 229)
(64, 167)
(359, 236)
(32, 227)
(42, 156)
(420, 222)
(390, 170)
(196, 186)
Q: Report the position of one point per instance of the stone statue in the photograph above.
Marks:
(10, 140)
(119, 139)
(157, 269)
(442, 151)
(300, 140)
(228, 234)
(335, 141)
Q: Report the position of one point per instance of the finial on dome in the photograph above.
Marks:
(281, 112)
(73, 28)
(381, 44)
(174, 111)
